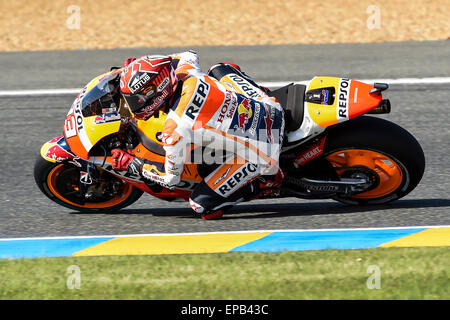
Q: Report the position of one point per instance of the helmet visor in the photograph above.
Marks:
(145, 105)
(138, 101)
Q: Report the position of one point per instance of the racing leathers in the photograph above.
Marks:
(227, 122)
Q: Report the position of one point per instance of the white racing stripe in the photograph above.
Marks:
(406, 81)
(221, 232)
(39, 92)
(269, 84)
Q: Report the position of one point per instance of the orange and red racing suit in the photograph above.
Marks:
(230, 122)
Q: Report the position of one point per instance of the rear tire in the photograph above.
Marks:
(386, 143)
(55, 181)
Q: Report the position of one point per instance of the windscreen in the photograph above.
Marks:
(103, 98)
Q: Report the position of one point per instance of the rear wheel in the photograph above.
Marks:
(378, 151)
(60, 183)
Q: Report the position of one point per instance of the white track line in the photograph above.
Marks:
(435, 80)
(38, 92)
(220, 232)
(269, 84)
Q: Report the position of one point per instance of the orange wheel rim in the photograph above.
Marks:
(51, 182)
(388, 170)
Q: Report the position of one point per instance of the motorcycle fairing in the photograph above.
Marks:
(83, 132)
(56, 150)
(351, 99)
(150, 132)
(345, 99)
(339, 100)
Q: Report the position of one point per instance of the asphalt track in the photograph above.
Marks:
(28, 122)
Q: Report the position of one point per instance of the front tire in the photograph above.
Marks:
(375, 145)
(60, 181)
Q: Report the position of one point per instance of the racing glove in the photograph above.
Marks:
(123, 161)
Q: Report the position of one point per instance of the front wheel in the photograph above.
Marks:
(380, 151)
(60, 183)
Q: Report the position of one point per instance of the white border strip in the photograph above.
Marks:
(269, 84)
(39, 92)
(435, 80)
(220, 232)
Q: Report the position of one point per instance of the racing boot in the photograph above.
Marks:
(209, 205)
(204, 213)
(268, 186)
(262, 187)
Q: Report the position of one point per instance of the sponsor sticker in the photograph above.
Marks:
(74, 119)
(58, 153)
(268, 118)
(228, 107)
(222, 176)
(247, 88)
(342, 99)
(198, 99)
(252, 129)
(69, 126)
(244, 114)
(138, 81)
(107, 117)
(85, 178)
(237, 179)
(163, 84)
(324, 99)
(310, 153)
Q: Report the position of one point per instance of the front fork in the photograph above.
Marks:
(57, 151)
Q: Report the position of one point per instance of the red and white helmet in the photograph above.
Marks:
(147, 84)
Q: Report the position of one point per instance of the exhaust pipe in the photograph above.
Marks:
(383, 107)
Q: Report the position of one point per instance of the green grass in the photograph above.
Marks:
(405, 273)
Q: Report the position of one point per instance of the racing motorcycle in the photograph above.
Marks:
(332, 149)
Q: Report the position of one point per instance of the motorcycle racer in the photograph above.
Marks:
(233, 118)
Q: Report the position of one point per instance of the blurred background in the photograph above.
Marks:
(63, 44)
(49, 49)
(100, 24)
